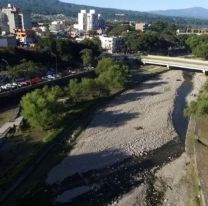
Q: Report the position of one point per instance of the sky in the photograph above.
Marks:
(143, 5)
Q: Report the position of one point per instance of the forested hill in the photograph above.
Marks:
(69, 9)
(49, 7)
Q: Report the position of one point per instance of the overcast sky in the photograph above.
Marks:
(143, 5)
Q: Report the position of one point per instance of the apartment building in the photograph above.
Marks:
(16, 19)
(89, 21)
(112, 44)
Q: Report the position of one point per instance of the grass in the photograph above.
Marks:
(34, 191)
(22, 148)
(7, 115)
(41, 140)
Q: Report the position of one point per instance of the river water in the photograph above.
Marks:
(180, 122)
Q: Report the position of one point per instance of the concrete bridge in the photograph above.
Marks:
(177, 63)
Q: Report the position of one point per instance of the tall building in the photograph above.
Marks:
(16, 19)
(89, 21)
(4, 27)
(92, 21)
(101, 22)
(82, 20)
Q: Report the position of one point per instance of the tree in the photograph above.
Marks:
(26, 69)
(115, 78)
(87, 57)
(117, 29)
(75, 90)
(132, 41)
(112, 74)
(93, 88)
(103, 65)
(41, 107)
(201, 50)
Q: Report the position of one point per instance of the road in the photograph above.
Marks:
(44, 83)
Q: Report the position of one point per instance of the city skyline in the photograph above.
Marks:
(142, 5)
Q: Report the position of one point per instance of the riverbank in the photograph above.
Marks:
(132, 125)
(198, 153)
(180, 176)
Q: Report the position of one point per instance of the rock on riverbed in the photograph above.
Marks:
(134, 123)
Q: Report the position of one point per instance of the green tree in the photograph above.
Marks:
(75, 90)
(112, 74)
(26, 69)
(103, 65)
(115, 77)
(87, 57)
(201, 50)
(42, 109)
(93, 88)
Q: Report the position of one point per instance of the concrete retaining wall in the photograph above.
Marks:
(200, 168)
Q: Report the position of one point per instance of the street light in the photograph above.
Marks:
(56, 61)
(49, 49)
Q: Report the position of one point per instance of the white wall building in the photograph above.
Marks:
(82, 20)
(112, 44)
(16, 19)
(89, 21)
(56, 26)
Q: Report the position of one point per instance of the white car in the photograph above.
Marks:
(5, 87)
(72, 72)
(11, 86)
(50, 77)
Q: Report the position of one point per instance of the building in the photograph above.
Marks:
(16, 19)
(25, 36)
(141, 27)
(4, 27)
(101, 22)
(8, 41)
(82, 21)
(56, 26)
(92, 21)
(112, 44)
(89, 21)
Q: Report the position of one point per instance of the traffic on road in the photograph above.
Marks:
(7, 85)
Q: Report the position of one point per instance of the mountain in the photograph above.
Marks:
(50, 7)
(195, 12)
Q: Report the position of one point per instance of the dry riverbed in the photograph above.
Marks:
(133, 124)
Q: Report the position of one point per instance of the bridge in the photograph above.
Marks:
(177, 62)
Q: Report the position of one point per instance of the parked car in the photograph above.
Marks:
(36, 80)
(51, 77)
(25, 83)
(4, 88)
(72, 71)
